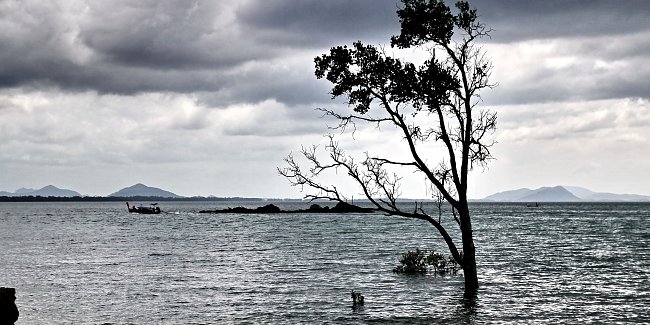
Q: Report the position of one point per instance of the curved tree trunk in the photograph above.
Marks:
(469, 268)
(469, 252)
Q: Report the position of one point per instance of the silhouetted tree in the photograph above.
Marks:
(433, 104)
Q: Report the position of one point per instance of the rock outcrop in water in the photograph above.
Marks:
(269, 208)
(340, 207)
(8, 309)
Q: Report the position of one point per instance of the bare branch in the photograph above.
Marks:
(345, 120)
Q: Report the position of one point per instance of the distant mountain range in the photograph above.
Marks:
(563, 194)
(542, 194)
(144, 190)
(140, 190)
(46, 191)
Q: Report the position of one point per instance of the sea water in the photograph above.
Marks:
(94, 263)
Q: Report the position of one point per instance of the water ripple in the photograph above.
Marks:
(96, 264)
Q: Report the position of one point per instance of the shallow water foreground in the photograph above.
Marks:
(94, 263)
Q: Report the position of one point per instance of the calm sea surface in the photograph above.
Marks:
(94, 263)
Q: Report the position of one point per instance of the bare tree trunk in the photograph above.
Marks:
(469, 268)
(469, 252)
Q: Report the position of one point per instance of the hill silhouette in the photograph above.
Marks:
(562, 194)
(142, 190)
(47, 191)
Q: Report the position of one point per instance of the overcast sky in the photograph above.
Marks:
(207, 97)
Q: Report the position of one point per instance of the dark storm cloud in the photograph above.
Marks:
(104, 78)
(604, 45)
(580, 80)
(320, 23)
(166, 35)
(515, 20)
(127, 47)
(236, 50)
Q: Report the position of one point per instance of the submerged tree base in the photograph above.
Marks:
(357, 298)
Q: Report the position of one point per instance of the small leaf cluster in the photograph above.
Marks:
(419, 261)
(424, 21)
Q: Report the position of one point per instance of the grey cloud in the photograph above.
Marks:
(167, 34)
(273, 128)
(117, 47)
(561, 88)
(125, 48)
(516, 20)
(292, 89)
(320, 23)
(615, 48)
(326, 23)
(609, 120)
(593, 75)
(234, 51)
(104, 78)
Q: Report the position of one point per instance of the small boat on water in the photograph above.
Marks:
(153, 209)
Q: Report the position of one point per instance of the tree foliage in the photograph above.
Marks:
(419, 261)
(431, 104)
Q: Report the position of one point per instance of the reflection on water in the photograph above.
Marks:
(95, 263)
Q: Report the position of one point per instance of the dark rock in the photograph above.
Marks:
(340, 207)
(8, 309)
(357, 299)
(343, 207)
(269, 208)
(239, 210)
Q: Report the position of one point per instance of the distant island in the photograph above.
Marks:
(562, 194)
(143, 190)
(129, 199)
(47, 191)
(137, 192)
